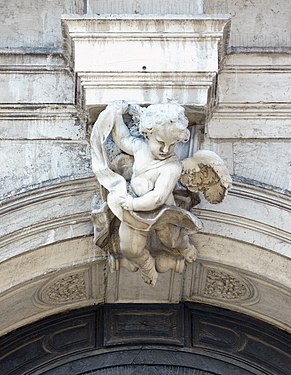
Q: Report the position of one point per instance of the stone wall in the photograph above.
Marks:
(256, 24)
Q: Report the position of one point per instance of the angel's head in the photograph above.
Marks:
(163, 125)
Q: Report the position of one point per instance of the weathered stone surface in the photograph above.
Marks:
(228, 252)
(41, 18)
(250, 215)
(35, 122)
(260, 267)
(53, 257)
(145, 6)
(45, 215)
(256, 161)
(255, 24)
(250, 121)
(35, 309)
(251, 124)
(38, 162)
(127, 287)
(252, 279)
(34, 86)
(177, 43)
(168, 56)
(251, 78)
(270, 161)
(255, 85)
(190, 89)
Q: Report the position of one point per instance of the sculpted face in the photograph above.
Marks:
(164, 125)
(162, 143)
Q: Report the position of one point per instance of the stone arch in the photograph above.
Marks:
(242, 263)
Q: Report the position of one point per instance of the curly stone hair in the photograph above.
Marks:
(170, 115)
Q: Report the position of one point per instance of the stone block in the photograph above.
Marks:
(265, 161)
(27, 24)
(38, 162)
(144, 7)
(36, 86)
(145, 59)
(35, 122)
(256, 24)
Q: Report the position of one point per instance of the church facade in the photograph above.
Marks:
(228, 64)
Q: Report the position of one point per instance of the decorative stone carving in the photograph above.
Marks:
(69, 288)
(223, 285)
(149, 190)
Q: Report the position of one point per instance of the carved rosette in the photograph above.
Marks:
(221, 284)
(70, 288)
(224, 286)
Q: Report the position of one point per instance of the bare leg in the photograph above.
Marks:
(133, 247)
(117, 262)
(125, 263)
(188, 250)
(174, 237)
(165, 262)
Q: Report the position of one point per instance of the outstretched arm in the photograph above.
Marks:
(120, 133)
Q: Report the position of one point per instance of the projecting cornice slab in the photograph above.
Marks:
(146, 59)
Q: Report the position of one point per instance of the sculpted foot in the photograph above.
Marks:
(149, 273)
(125, 263)
(190, 253)
(166, 262)
(115, 263)
(150, 277)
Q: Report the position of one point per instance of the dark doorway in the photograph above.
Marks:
(147, 339)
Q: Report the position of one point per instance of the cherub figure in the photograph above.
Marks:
(145, 205)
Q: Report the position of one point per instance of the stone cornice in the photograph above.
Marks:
(12, 58)
(253, 110)
(146, 58)
(41, 122)
(167, 78)
(193, 88)
(42, 84)
(202, 21)
(151, 28)
(257, 69)
(37, 111)
(241, 120)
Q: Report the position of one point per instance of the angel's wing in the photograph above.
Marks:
(205, 171)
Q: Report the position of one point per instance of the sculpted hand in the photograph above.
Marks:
(127, 202)
(120, 106)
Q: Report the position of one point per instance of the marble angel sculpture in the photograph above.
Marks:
(148, 189)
